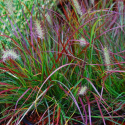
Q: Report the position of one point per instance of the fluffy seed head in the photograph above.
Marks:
(48, 18)
(39, 30)
(107, 58)
(83, 90)
(82, 42)
(92, 2)
(9, 6)
(121, 10)
(77, 7)
(9, 54)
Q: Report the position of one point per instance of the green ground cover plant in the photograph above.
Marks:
(62, 61)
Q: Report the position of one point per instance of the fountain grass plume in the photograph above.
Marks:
(77, 7)
(9, 6)
(83, 90)
(9, 54)
(107, 58)
(83, 42)
(39, 30)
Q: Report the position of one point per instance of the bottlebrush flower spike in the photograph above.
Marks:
(39, 30)
(9, 54)
(82, 42)
(82, 90)
(121, 11)
(9, 6)
(107, 58)
(48, 18)
(92, 2)
(77, 6)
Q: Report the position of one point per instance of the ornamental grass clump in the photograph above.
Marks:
(56, 81)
